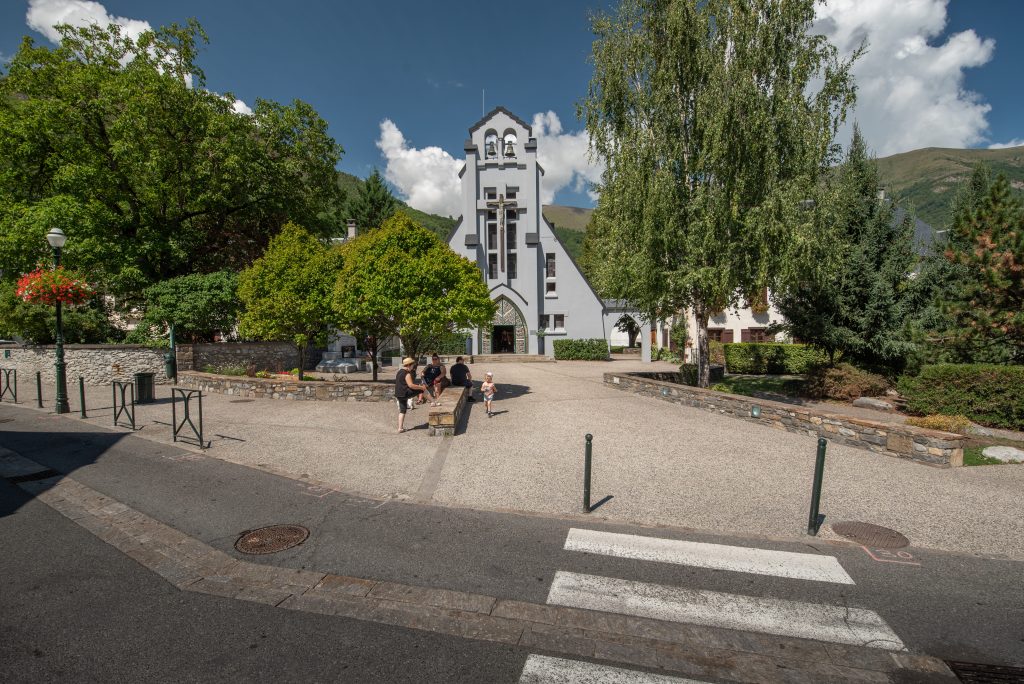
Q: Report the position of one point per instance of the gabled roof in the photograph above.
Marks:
(479, 124)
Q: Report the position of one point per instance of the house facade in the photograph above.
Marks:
(536, 285)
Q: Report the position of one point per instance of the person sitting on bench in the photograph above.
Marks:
(461, 377)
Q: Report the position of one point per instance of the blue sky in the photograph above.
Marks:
(937, 73)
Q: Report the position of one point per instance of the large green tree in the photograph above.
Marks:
(715, 120)
(373, 203)
(858, 309)
(403, 280)
(197, 305)
(286, 293)
(118, 142)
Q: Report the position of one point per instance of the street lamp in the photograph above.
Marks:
(57, 238)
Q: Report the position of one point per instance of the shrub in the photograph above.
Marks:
(617, 350)
(769, 358)
(716, 353)
(844, 382)
(958, 424)
(264, 374)
(581, 350)
(988, 394)
(225, 370)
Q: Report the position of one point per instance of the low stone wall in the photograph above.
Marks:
(272, 356)
(288, 388)
(443, 420)
(97, 363)
(933, 447)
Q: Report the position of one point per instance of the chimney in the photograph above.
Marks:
(881, 194)
(351, 228)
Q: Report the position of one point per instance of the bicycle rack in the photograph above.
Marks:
(122, 407)
(187, 395)
(6, 386)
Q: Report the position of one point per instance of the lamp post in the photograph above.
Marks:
(57, 238)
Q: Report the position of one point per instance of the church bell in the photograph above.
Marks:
(491, 150)
(510, 151)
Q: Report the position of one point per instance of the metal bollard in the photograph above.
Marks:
(81, 394)
(813, 523)
(587, 454)
(39, 389)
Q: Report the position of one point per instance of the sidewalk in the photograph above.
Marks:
(662, 464)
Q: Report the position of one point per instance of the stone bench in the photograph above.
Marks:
(441, 420)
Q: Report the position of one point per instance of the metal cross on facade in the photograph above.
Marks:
(501, 205)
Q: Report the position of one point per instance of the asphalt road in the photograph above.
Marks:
(78, 609)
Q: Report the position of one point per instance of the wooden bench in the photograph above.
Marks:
(442, 420)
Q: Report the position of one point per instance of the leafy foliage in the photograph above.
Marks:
(844, 381)
(957, 424)
(197, 305)
(988, 394)
(150, 178)
(755, 358)
(36, 324)
(373, 203)
(581, 350)
(403, 280)
(286, 293)
(715, 120)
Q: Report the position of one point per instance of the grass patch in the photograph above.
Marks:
(749, 385)
(974, 457)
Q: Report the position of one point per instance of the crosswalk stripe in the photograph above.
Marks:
(546, 670)
(805, 566)
(837, 624)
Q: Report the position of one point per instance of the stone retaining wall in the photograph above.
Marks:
(97, 363)
(933, 447)
(271, 356)
(288, 388)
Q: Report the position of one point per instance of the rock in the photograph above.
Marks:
(872, 403)
(1004, 453)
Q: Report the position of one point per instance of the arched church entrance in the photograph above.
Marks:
(507, 333)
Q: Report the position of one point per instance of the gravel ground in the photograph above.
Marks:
(662, 464)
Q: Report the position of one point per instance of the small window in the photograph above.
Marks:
(512, 266)
(492, 236)
(715, 334)
(492, 215)
(755, 335)
(559, 321)
(491, 193)
(549, 266)
(510, 193)
(510, 233)
(549, 288)
(492, 266)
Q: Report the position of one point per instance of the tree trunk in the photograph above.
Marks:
(700, 313)
(372, 347)
(633, 334)
(302, 358)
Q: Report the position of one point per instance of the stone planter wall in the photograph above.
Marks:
(272, 356)
(933, 447)
(97, 363)
(289, 388)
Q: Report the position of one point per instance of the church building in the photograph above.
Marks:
(530, 275)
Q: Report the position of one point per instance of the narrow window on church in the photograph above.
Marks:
(492, 266)
(549, 265)
(549, 288)
(559, 321)
(492, 236)
(510, 193)
(510, 231)
(512, 264)
(491, 193)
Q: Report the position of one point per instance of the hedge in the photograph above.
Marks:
(988, 394)
(769, 358)
(581, 350)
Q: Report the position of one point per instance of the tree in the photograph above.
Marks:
(286, 293)
(197, 305)
(37, 324)
(373, 203)
(715, 120)
(987, 308)
(628, 325)
(403, 280)
(117, 141)
(858, 309)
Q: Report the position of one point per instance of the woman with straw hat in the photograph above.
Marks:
(405, 389)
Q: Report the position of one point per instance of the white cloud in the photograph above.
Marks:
(241, 108)
(1016, 142)
(910, 90)
(43, 15)
(427, 178)
(564, 158)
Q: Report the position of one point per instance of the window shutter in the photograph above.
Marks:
(745, 335)
(727, 336)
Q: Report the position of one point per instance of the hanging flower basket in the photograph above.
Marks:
(49, 286)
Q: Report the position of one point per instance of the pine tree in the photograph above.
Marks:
(373, 203)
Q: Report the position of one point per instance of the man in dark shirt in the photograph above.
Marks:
(461, 377)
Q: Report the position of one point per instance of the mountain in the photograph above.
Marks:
(439, 225)
(927, 179)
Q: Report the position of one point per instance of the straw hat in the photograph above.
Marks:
(408, 361)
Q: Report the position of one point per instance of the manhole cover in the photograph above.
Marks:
(986, 674)
(271, 539)
(874, 536)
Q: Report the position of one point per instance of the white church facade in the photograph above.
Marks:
(536, 285)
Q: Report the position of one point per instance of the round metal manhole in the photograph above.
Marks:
(271, 539)
(873, 536)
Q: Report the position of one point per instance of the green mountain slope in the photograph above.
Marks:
(928, 178)
(440, 225)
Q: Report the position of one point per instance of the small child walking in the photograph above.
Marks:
(488, 388)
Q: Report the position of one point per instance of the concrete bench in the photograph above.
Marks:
(441, 420)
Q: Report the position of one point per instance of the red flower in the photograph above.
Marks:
(49, 286)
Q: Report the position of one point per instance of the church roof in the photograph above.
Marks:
(479, 124)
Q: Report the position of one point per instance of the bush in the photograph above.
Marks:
(716, 353)
(617, 350)
(988, 394)
(844, 382)
(581, 350)
(225, 370)
(958, 424)
(769, 358)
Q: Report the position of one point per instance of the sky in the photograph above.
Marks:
(401, 82)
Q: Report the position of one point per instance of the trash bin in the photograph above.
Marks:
(170, 365)
(144, 388)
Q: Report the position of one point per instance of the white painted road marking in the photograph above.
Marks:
(806, 566)
(544, 670)
(837, 624)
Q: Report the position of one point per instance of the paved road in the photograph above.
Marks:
(952, 606)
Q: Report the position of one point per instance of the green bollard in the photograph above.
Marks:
(81, 394)
(587, 453)
(813, 524)
(39, 389)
